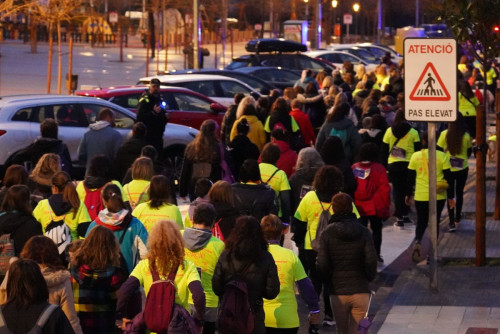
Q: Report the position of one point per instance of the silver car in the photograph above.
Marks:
(21, 115)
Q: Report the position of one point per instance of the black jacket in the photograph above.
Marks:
(226, 216)
(261, 278)
(257, 200)
(21, 319)
(300, 183)
(155, 122)
(227, 123)
(126, 155)
(21, 227)
(347, 259)
(241, 149)
(39, 147)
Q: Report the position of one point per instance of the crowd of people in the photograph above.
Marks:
(318, 161)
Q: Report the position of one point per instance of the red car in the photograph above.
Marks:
(188, 108)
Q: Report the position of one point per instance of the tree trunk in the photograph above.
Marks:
(49, 65)
(33, 37)
(59, 57)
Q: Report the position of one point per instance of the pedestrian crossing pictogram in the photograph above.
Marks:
(429, 86)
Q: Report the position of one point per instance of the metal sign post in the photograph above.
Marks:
(431, 96)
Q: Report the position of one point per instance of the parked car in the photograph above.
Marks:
(277, 76)
(256, 83)
(217, 87)
(21, 115)
(279, 53)
(366, 55)
(338, 58)
(377, 50)
(187, 107)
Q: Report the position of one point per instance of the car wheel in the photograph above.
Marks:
(172, 160)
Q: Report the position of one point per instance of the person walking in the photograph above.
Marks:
(373, 194)
(152, 112)
(347, 260)
(204, 250)
(418, 177)
(400, 142)
(281, 312)
(137, 190)
(247, 254)
(101, 138)
(457, 145)
(97, 276)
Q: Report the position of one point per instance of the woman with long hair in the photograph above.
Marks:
(314, 106)
(96, 274)
(400, 142)
(43, 251)
(27, 296)
(221, 196)
(137, 189)
(63, 205)
(467, 103)
(201, 159)
(15, 174)
(280, 119)
(457, 145)
(246, 254)
(40, 178)
(128, 230)
(159, 206)
(16, 217)
(165, 255)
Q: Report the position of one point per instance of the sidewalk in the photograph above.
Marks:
(467, 300)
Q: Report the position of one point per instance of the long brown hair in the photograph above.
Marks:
(42, 250)
(221, 192)
(62, 181)
(455, 134)
(202, 148)
(112, 196)
(99, 250)
(26, 285)
(166, 247)
(17, 198)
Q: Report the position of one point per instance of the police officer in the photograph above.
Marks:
(151, 110)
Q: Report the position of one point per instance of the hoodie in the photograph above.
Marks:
(21, 227)
(128, 230)
(101, 138)
(257, 134)
(300, 183)
(347, 258)
(39, 147)
(288, 158)
(61, 293)
(196, 238)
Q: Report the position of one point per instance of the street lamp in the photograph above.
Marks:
(307, 9)
(356, 7)
(335, 3)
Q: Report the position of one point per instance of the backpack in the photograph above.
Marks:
(160, 302)
(342, 134)
(6, 253)
(139, 200)
(216, 231)
(235, 315)
(38, 328)
(59, 232)
(324, 217)
(93, 201)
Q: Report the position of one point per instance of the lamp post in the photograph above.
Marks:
(356, 7)
(307, 9)
(335, 3)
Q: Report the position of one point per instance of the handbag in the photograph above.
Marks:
(365, 323)
(442, 184)
(225, 171)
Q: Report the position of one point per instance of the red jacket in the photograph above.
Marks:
(305, 126)
(372, 196)
(288, 158)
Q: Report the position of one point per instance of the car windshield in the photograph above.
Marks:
(237, 64)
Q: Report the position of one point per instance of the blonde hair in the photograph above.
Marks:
(142, 169)
(48, 165)
(166, 247)
(327, 82)
(360, 72)
(248, 100)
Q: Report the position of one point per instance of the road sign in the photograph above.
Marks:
(113, 17)
(347, 18)
(430, 73)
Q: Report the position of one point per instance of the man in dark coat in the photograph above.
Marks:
(151, 111)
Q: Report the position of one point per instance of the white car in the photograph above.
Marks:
(338, 58)
(378, 50)
(21, 115)
(217, 87)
